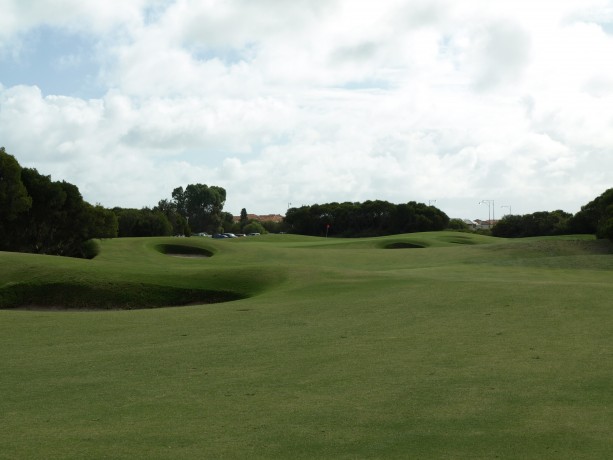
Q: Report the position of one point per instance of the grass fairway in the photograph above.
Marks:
(431, 345)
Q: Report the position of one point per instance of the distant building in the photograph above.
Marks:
(470, 224)
(485, 224)
(261, 218)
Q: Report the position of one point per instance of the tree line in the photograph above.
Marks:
(195, 209)
(50, 217)
(47, 217)
(596, 217)
(42, 216)
(370, 218)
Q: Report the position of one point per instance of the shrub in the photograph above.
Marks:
(457, 224)
(254, 227)
(90, 248)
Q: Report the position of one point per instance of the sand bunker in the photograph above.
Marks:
(181, 250)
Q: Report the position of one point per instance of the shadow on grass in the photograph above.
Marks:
(106, 296)
(459, 238)
(403, 245)
(183, 250)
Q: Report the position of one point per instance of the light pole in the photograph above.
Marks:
(430, 202)
(490, 211)
(507, 206)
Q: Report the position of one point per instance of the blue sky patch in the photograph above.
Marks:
(55, 60)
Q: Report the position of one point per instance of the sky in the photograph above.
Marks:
(481, 108)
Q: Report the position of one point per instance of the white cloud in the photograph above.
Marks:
(18, 16)
(313, 101)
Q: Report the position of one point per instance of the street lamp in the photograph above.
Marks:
(490, 210)
(507, 206)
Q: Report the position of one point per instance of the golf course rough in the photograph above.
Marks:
(470, 347)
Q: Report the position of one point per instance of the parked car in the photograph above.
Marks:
(219, 235)
(203, 234)
(229, 235)
(254, 234)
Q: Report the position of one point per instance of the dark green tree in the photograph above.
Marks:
(593, 218)
(457, 224)
(102, 222)
(227, 222)
(605, 224)
(57, 222)
(14, 200)
(274, 227)
(371, 218)
(44, 216)
(541, 223)
(179, 201)
(142, 222)
(201, 205)
(178, 222)
(244, 218)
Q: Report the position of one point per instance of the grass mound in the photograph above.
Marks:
(336, 349)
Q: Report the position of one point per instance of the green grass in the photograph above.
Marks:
(467, 347)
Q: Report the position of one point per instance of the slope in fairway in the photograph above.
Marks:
(432, 345)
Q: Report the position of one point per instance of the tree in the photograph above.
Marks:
(593, 217)
(58, 221)
(244, 218)
(14, 199)
(142, 222)
(510, 226)
(227, 222)
(179, 201)
(541, 223)
(152, 223)
(371, 218)
(274, 227)
(44, 216)
(298, 220)
(605, 225)
(178, 222)
(457, 224)
(201, 206)
(102, 222)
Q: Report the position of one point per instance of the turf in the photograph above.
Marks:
(432, 345)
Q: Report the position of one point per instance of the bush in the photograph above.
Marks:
(90, 248)
(457, 224)
(254, 227)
